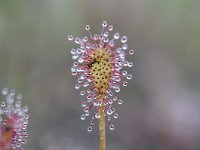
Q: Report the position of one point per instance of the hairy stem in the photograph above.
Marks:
(102, 136)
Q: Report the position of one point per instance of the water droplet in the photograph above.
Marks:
(89, 128)
(125, 83)
(110, 28)
(3, 104)
(86, 109)
(87, 27)
(85, 38)
(115, 98)
(115, 115)
(124, 73)
(97, 115)
(124, 46)
(83, 117)
(120, 101)
(87, 113)
(131, 51)
(109, 111)
(116, 35)
(112, 127)
(77, 40)
(104, 23)
(129, 77)
(117, 89)
(84, 104)
(124, 39)
(130, 64)
(105, 34)
(5, 91)
(92, 122)
(77, 86)
(12, 92)
(82, 92)
(70, 37)
(73, 51)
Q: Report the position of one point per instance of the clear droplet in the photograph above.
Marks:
(110, 28)
(86, 109)
(116, 35)
(83, 117)
(82, 92)
(131, 51)
(92, 122)
(89, 128)
(112, 127)
(105, 34)
(84, 104)
(129, 77)
(87, 27)
(5, 91)
(3, 104)
(70, 37)
(77, 86)
(125, 83)
(117, 89)
(124, 46)
(124, 39)
(130, 64)
(104, 23)
(120, 101)
(115, 115)
(12, 92)
(97, 115)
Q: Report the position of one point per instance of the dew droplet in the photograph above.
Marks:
(3, 104)
(83, 117)
(86, 109)
(124, 46)
(92, 122)
(97, 115)
(112, 127)
(87, 27)
(89, 129)
(125, 83)
(120, 101)
(104, 23)
(82, 92)
(129, 77)
(70, 37)
(5, 91)
(77, 86)
(12, 92)
(124, 39)
(84, 104)
(116, 35)
(115, 115)
(105, 34)
(130, 64)
(110, 28)
(117, 89)
(131, 51)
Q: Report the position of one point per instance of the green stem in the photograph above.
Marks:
(102, 135)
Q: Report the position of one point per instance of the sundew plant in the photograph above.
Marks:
(13, 121)
(99, 63)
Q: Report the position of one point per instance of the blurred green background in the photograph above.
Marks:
(161, 108)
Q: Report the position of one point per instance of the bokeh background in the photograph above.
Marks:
(161, 105)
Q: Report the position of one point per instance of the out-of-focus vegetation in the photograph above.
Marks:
(161, 108)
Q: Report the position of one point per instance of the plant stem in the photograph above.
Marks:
(102, 136)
